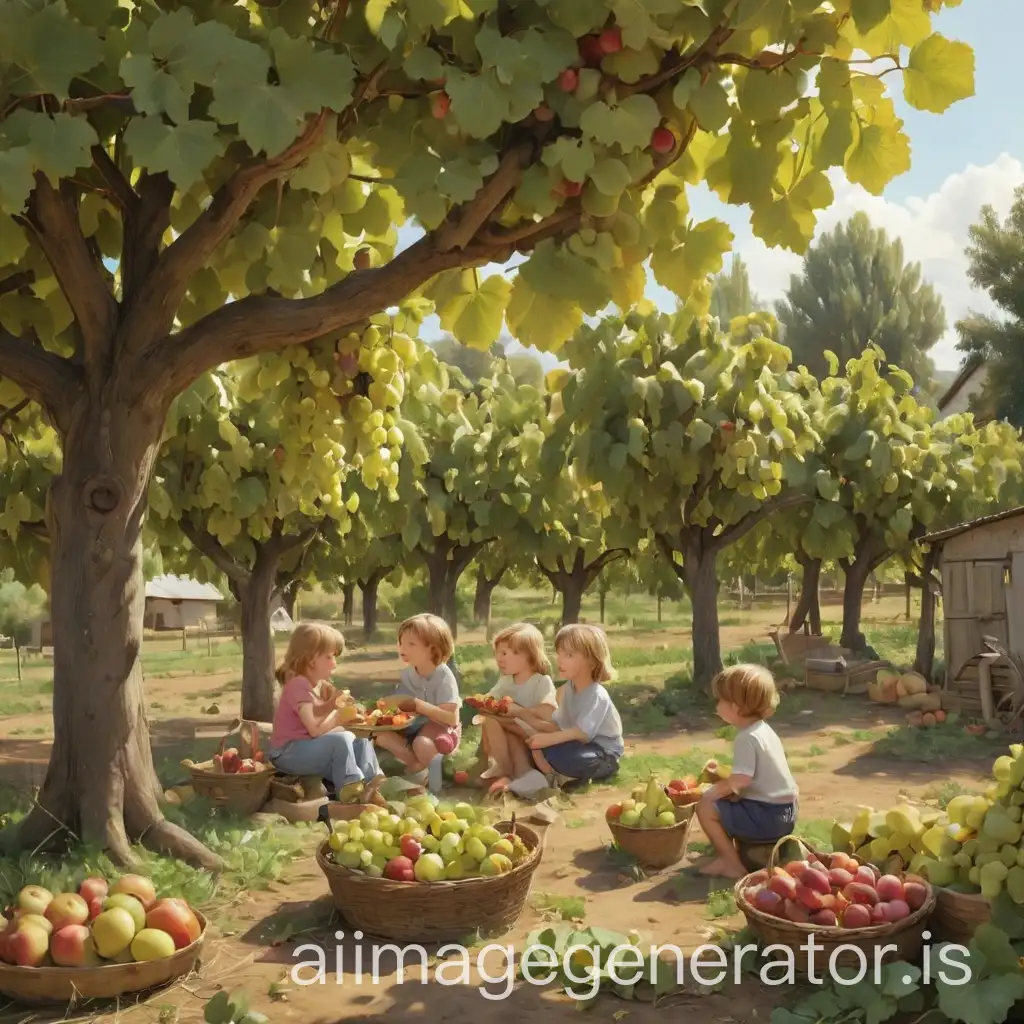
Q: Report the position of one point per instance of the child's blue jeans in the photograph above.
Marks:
(338, 756)
(576, 760)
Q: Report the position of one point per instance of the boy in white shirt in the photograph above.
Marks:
(758, 802)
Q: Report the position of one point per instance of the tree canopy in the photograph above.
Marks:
(996, 255)
(856, 290)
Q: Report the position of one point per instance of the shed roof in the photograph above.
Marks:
(975, 524)
(972, 364)
(182, 588)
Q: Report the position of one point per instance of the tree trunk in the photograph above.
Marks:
(924, 661)
(101, 785)
(701, 579)
(485, 587)
(368, 588)
(348, 605)
(288, 598)
(258, 660)
(808, 605)
(444, 575)
(573, 586)
(857, 573)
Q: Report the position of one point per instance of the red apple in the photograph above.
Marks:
(95, 908)
(361, 261)
(572, 188)
(138, 886)
(461, 777)
(610, 40)
(28, 946)
(410, 848)
(174, 916)
(663, 141)
(34, 899)
(400, 869)
(568, 80)
(590, 50)
(67, 908)
(440, 104)
(72, 946)
(92, 888)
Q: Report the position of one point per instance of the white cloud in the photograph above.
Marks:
(933, 229)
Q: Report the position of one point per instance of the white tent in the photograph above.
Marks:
(281, 621)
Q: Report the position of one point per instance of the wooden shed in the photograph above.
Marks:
(982, 566)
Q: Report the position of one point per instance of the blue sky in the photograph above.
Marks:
(971, 155)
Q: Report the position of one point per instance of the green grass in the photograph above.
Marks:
(566, 908)
(944, 741)
(721, 903)
(637, 768)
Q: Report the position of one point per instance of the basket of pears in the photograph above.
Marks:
(651, 825)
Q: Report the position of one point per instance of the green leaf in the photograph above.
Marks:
(881, 153)
(980, 1001)
(460, 179)
(610, 176)
(314, 77)
(938, 74)
(869, 14)
(475, 318)
(709, 103)
(995, 946)
(60, 144)
(13, 240)
(424, 64)
(16, 181)
(701, 251)
(325, 168)
(480, 105)
(763, 94)
(183, 151)
(628, 125)
(154, 91)
(540, 320)
(790, 220)
(575, 157)
(50, 46)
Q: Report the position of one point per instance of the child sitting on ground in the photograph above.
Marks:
(428, 689)
(307, 737)
(583, 741)
(525, 680)
(767, 809)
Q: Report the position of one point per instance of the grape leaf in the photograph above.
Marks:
(628, 125)
(183, 151)
(575, 157)
(610, 176)
(938, 74)
(58, 144)
(154, 91)
(480, 104)
(679, 267)
(16, 179)
(542, 321)
(790, 220)
(980, 1001)
(475, 317)
(869, 14)
(880, 153)
(315, 78)
(709, 103)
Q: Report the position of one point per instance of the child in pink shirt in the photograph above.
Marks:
(308, 738)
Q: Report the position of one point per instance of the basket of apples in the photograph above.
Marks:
(101, 942)
(239, 780)
(654, 823)
(842, 902)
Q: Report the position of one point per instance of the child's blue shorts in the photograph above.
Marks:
(755, 820)
(581, 760)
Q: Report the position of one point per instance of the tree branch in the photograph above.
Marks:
(150, 316)
(605, 558)
(43, 376)
(123, 192)
(458, 234)
(212, 548)
(53, 220)
(733, 533)
(263, 323)
(669, 551)
(145, 222)
(16, 281)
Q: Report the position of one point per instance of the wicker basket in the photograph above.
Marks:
(958, 915)
(433, 911)
(902, 940)
(38, 986)
(656, 847)
(242, 792)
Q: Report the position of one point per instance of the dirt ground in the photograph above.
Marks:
(256, 944)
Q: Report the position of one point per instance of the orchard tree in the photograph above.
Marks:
(996, 255)
(731, 294)
(257, 460)
(697, 433)
(188, 187)
(470, 480)
(855, 290)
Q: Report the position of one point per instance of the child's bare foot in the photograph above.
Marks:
(499, 787)
(722, 868)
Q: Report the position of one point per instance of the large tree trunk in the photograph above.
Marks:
(101, 785)
(809, 604)
(485, 587)
(857, 573)
(258, 661)
(572, 582)
(700, 577)
(368, 587)
(444, 574)
(348, 603)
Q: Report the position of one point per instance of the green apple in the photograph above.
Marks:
(429, 868)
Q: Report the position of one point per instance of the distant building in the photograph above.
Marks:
(177, 602)
(967, 384)
(172, 602)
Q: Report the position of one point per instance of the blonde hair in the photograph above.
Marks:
(523, 638)
(433, 632)
(308, 642)
(591, 641)
(751, 688)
